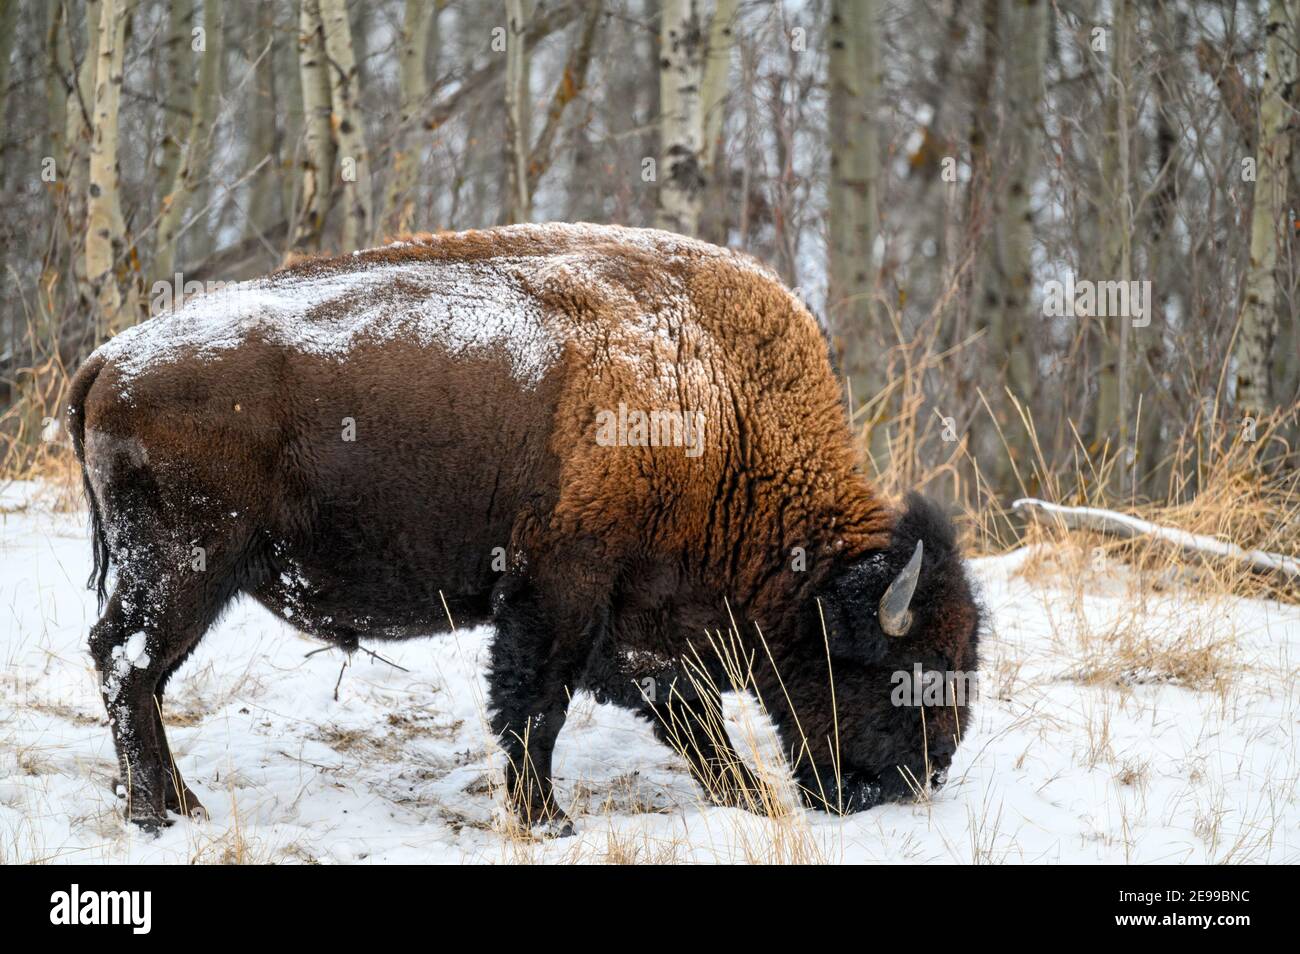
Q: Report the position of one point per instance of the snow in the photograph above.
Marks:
(456, 305)
(654, 242)
(1055, 767)
(124, 657)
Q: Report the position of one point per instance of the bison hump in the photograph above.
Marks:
(457, 307)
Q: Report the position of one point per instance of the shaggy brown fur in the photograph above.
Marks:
(474, 369)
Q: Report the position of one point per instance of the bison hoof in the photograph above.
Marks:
(753, 800)
(847, 797)
(558, 827)
(546, 821)
(734, 785)
(151, 823)
(542, 817)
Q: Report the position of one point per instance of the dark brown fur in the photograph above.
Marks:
(608, 550)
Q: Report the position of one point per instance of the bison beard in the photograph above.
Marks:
(370, 443)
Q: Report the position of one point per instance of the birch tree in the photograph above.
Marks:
(262, 145)
(572, 82)
(1258, 323)
(290, 134)
(318, 166)
(8, 24)
(347, 123)
(58, 86)
(716, 212)
(180, 95)
(1286, 348)
(104, 234)
(1014, 320)
(717, 68)
(854, 181)
(518, 113)
(77, 133)
(681, 132)
(981, 135)
(178, 198)
(526, 164)
(420, 20)
(1164, 258)
(1113, 398)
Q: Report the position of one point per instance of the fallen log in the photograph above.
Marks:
(1127, 527)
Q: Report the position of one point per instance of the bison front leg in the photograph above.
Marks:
(538, 656)
(690, 723)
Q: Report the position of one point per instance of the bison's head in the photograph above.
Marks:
(897, 630)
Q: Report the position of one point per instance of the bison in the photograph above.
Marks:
(609, 443)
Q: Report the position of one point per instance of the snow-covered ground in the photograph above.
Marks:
(1116, 724)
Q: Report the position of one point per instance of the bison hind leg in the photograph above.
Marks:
(170, 587)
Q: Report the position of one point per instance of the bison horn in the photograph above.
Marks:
(895, 616)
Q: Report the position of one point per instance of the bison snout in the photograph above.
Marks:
(859, 791)
(852, 792)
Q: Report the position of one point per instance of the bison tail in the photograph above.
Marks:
(76, 423)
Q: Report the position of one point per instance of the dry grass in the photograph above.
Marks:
(30, 443)
(1216, 480)
(773, 828)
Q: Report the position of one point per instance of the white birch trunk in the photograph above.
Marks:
(519, 201)
(1269, 214)
(103, 235)
(854, 183)
(398, 210)
(318, 168)
(348, 125)
(681, 106)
